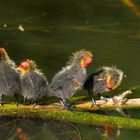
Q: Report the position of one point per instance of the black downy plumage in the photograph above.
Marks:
(104, 80)
(71, 78)
(9, 77)
(33, 82)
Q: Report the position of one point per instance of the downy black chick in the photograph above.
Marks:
(71, 78)
(9, 77)
(104, 80)
(33, 82)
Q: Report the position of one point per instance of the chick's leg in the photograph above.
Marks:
(16, 97)
(25, 100)
(92, 98)
(63, 103)
(1, 96)
(36, 102)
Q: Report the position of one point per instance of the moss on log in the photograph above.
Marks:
(74, 116)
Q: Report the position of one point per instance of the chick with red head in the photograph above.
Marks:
(33, 82)
(71, 78)
(104, 80)
(9, 77)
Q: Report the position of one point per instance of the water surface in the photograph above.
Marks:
(52, 31)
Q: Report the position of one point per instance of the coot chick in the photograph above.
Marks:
(71, 78)
(104, 80)
(33, 82)
(9, 77)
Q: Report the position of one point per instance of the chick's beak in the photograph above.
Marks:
(86, 61)
(108, 82)
(21, 70)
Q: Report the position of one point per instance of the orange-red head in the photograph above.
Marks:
(3, 54)
(81, 58)
(24, 66)
(86, 59)
(110, 84)
(2, 51)
(113, 78)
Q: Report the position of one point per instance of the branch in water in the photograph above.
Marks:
(112, 103)
(77, 115)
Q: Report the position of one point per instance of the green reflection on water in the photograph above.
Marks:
(54, 29)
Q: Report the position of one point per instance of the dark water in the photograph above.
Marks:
(53, 30)
(31, 129)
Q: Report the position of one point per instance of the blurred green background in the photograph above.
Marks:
(49, 31)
